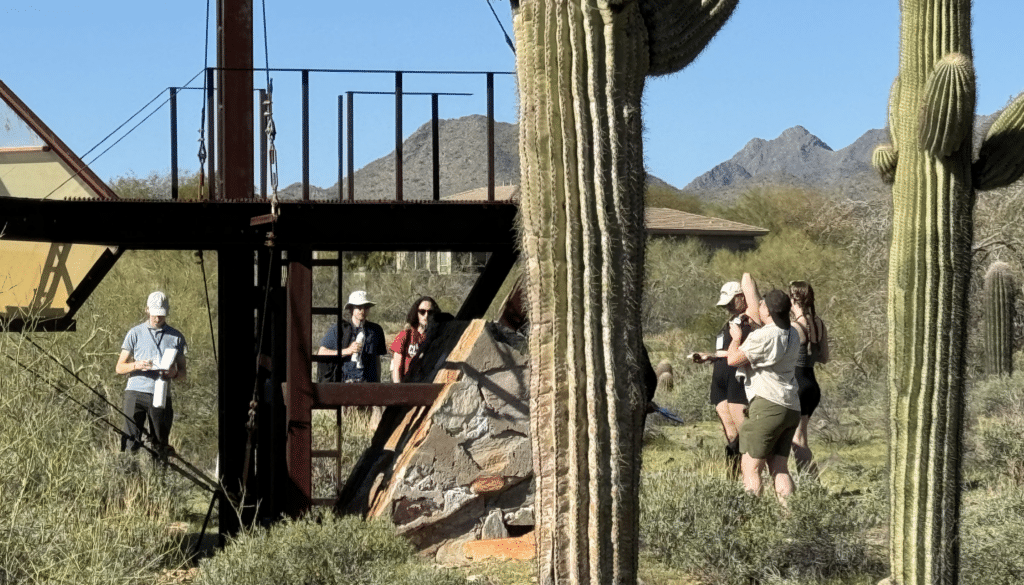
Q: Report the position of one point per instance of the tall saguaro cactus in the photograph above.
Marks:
(931, 116)
(1000, 295)
(582, 65)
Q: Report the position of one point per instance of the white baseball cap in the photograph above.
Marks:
(358, 299)
(158, 304)
(729, 291)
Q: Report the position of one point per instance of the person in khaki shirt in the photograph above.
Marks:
(767, 362)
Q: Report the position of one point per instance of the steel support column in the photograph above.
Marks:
(236, 370)
(299, 397)
(234, 99)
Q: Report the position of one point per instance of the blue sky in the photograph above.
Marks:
(823, 64)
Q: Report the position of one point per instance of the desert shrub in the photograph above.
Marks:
(661, 195)
(680, 291)
(710, 528)
(73, 510)
(995, 417)
(992, 530)
(321, 549)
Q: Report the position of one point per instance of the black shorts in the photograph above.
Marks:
(808, 390)
(725, 386)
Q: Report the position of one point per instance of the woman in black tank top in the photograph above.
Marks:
(813, 350)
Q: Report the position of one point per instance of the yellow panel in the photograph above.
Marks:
(37, 278)
(35, 175)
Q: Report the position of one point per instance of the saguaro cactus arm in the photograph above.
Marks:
(1001, 160)
(678, 30)
(947, 114)
(885, 159)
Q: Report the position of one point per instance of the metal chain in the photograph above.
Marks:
(271, 131)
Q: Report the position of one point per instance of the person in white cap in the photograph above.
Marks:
(151, 351)
(361, 342)
(727, 393)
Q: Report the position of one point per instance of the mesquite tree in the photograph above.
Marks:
(581, 66)
(931, 118)
(1000, 294)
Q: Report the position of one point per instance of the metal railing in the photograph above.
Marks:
(345, 121)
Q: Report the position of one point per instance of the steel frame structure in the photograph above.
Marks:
(252, 248)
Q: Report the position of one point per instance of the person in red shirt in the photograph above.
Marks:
(406, 345)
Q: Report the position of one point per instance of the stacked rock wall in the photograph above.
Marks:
(462, 470)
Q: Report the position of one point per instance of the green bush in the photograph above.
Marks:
(992, 530)
(321, 549)
(995, 416)
(709, 527)
(73, 509)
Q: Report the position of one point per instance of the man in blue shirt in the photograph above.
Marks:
(142, 353)
(360, 356)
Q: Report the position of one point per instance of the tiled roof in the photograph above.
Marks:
(663, 221)
(659, 220)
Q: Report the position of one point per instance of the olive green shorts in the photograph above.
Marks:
(768, 429)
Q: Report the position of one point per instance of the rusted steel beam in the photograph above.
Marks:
(236, 374)
(235, 99)
(299, 398)
(339, 394)
(468, 226)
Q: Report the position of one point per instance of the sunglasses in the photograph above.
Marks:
(427, 311)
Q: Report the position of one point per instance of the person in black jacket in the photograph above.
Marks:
(361, 342)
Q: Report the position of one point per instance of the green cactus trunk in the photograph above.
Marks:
(581, 68)
(582, 212)
(931, 116)
(1000, 295)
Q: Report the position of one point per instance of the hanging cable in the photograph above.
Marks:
(193, 474)
(202, 116)
(89, 163)
(507, 39)
(209, 308)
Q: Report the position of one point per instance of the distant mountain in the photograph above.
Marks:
(796, 157)
(800, 158)
(463, 163)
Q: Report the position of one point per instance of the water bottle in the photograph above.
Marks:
(359, 354)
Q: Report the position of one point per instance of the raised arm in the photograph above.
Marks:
(752, 297)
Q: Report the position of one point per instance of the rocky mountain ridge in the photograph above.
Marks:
(796, 157)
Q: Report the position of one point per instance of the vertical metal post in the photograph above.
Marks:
(174, 143)
(351, 147)
(235, 142)
(299, 398)
(398, 135)
(490, 136)
(436, 148)
(341, 146)
(270, 415)
(263, 143)
(236, 376)
(340, 305)
(305, 135)
(211, 125)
